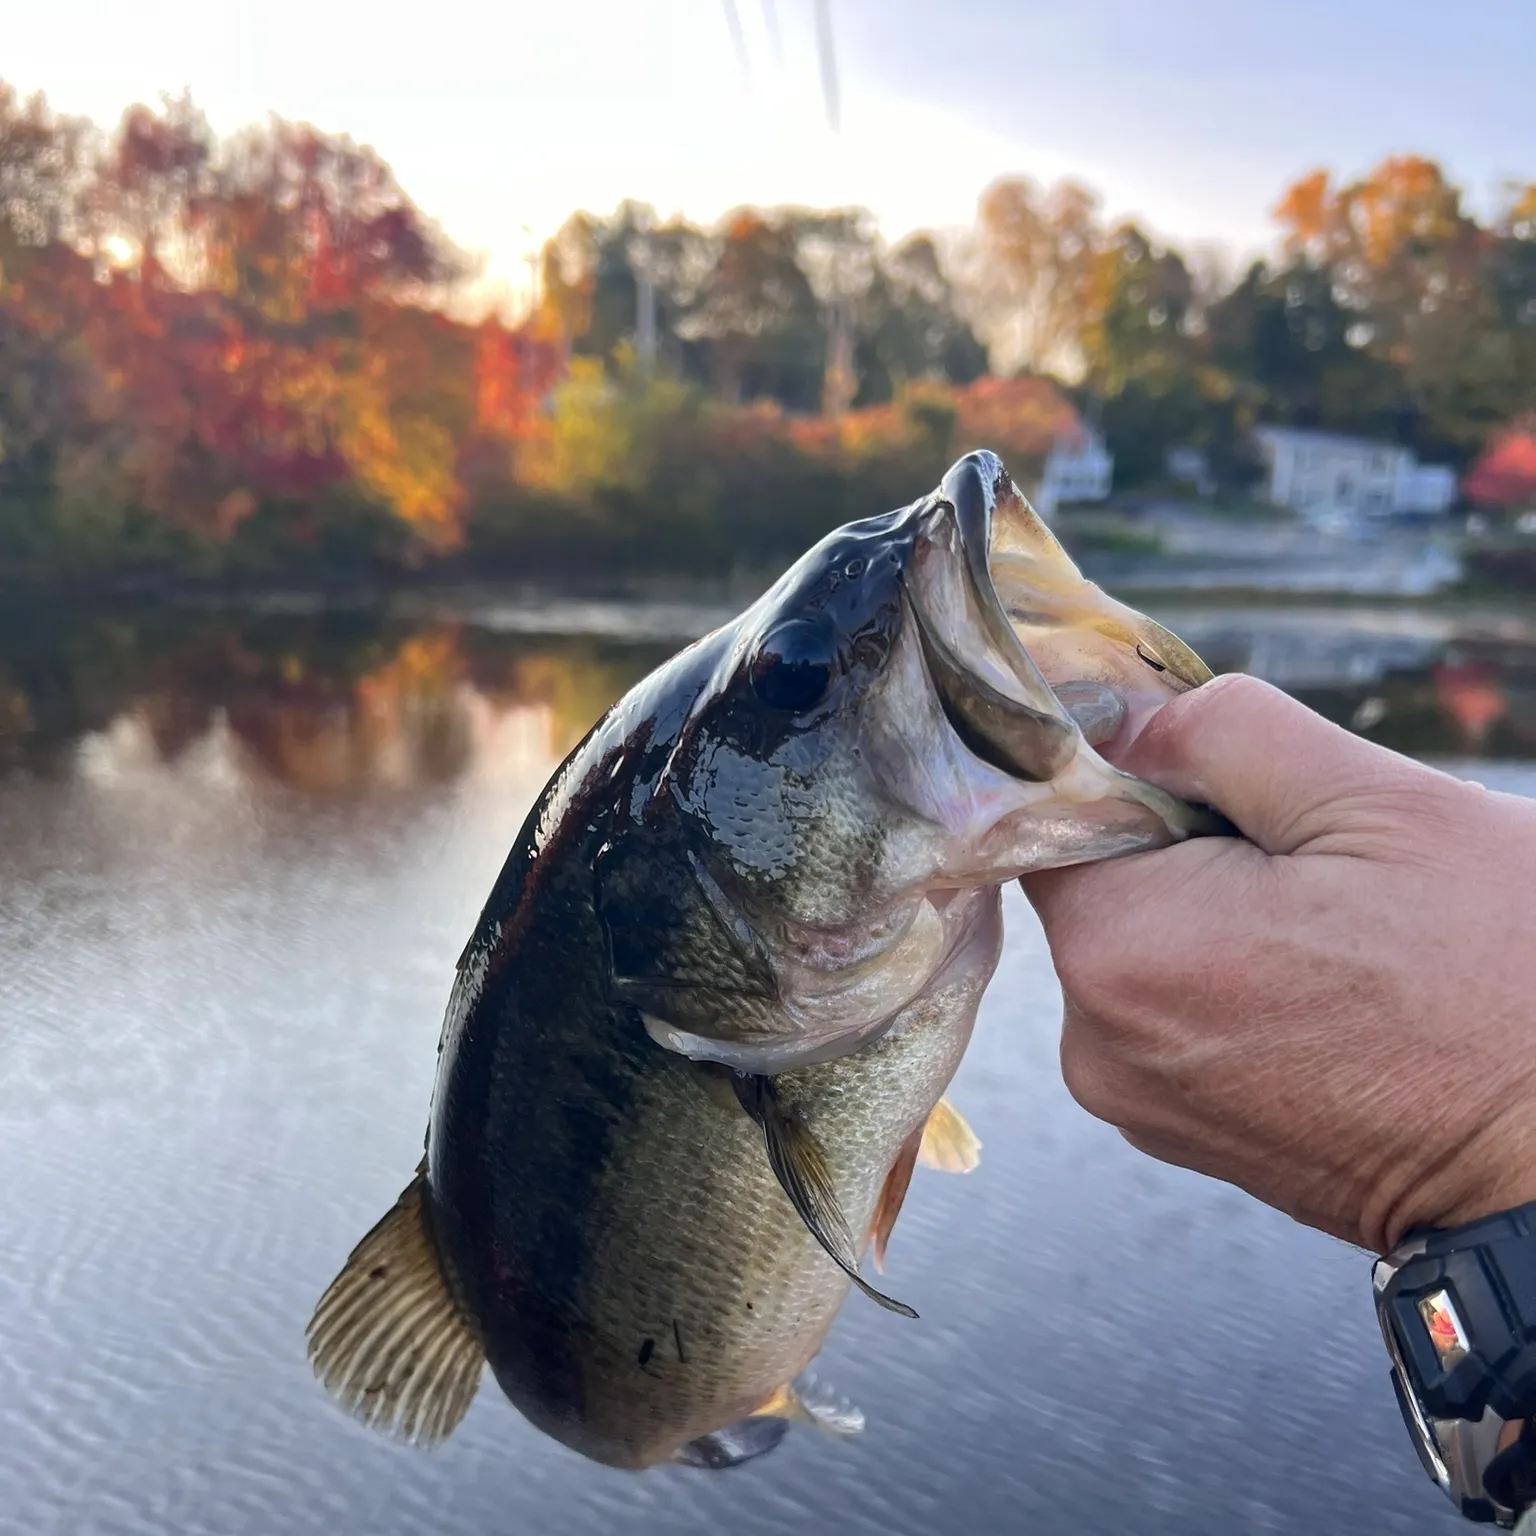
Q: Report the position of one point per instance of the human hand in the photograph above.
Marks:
(1338, 1014)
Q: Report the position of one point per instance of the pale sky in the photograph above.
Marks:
(501, 117)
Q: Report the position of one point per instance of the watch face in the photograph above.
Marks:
(1446, 1335)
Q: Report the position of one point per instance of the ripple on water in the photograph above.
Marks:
(214, 1075)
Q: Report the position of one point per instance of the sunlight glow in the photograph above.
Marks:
(502, 121)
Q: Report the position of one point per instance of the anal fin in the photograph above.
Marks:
(892, 1194)
(388, 1340)
(800, 1165)
(735, 1445)
(949, 1144)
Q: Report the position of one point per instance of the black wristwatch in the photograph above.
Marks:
(1458, 1312)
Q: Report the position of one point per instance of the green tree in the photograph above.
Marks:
(910, 327)
(1296, 353)
(760, 317)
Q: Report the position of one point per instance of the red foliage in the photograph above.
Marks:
(514, 373)
(1504, 476)
(1471, 695)
(263, 335)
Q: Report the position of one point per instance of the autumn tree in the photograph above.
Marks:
(1137, 312)
(1422, 282)
(1031, 273)
(301, 221)
(44, 169)
(153, 183)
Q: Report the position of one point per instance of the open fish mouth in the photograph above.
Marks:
(985, 576)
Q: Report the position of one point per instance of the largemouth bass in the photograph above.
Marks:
(702, 1030)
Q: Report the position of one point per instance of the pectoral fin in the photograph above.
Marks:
(892, 1193)
(800, 1165)
(948, 1143)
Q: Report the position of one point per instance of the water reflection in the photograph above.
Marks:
(239, 855)
(324, 704)
(342, 703)
(1432, 682)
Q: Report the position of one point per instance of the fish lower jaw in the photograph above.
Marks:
(1087, 812)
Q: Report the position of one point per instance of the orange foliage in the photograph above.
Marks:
(1304, 211)
(1020, 418)
(1405, 205)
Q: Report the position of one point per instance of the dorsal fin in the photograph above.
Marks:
(388, 1340)
(949, 1144)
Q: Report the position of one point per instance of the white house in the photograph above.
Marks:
(1426, 488)
(1191, 467)
(1079, 467)
(1324, 476)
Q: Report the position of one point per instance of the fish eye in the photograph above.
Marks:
(793, 667)
(1151, 661)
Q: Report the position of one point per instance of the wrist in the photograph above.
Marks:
(1489, 1172)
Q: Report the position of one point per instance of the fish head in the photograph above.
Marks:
(879, 744)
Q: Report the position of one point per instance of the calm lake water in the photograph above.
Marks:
(238, 858)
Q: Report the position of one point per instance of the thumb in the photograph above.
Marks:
(1276, 768)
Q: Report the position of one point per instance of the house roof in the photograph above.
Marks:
(1304, 437)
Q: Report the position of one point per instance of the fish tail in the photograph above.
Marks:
(388, 1340)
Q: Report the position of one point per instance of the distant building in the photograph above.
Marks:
(1191, 467)
(1504, 477)
(1323, 476)
(1079, 467)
